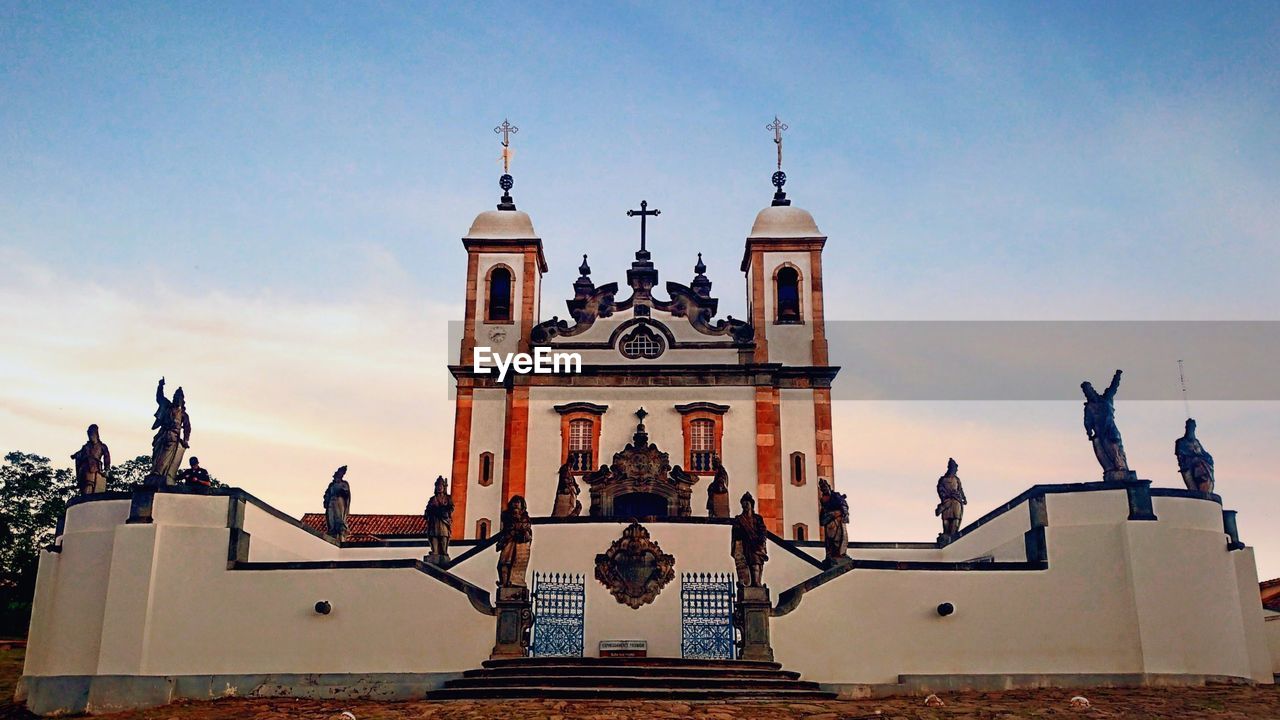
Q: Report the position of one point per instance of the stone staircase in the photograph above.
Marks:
(588, 678)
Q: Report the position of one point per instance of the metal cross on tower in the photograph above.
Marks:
(777, 127)
(506, 130)
(643, 212)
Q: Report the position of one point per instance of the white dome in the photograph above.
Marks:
(784, 221)
(502, 225)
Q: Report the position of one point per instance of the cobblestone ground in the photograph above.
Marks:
(1236, 703)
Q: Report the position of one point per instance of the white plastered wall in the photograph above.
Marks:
(799, 433)
(488, 423)
(510, 331)
(788, 344)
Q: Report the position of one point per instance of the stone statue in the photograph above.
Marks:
(951, 501)
(749, 544)
(172, 438)
(567, 491)
(1100, 427)
(833, 515)
(1194, 462)
(718, 491)
(195, 477)
(513, 546)
(93, 460)
(439, 516)
(337, 503)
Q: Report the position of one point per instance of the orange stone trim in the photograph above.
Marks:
(819, 321)
(528, 285)
(596, 419)
(461, 457)
(469, 323)
(826, 460)
(769, 458)
(757, 308)
(515, 443)
(686, 426)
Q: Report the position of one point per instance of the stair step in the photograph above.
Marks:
(634, 671)
(632, 662)
(637, 693)
(627, 681)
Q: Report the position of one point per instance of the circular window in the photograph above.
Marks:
(641, 343)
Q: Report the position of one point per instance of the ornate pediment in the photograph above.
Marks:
(640, 468)
(634, 568)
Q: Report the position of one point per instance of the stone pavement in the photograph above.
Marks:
(1214, 702)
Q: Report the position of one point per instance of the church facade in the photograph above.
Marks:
(753, 394)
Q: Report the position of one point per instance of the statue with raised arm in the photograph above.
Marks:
(439, 517)
(1100, 428)
(833, 515)
(93, 460)
(951, 501)
(514, 544)
(172, 438)
(749, 544)
(337, 503)
(718, 491)
(1194, 462)
(567, 491)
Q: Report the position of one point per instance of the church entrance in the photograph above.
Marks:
(640, 505)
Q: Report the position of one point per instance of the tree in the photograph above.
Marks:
(33, 495)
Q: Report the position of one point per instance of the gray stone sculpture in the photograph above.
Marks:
(93, 460)
(439, 517)
(1194, 462)
(567, 491)
(833, 515)
(515, 543)
(951, 502)
(337, 503)
(172, 438)
(718, 491)
(1100, 427)
(749, 544)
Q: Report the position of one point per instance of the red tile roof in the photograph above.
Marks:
(1270, 594)
(370, 526)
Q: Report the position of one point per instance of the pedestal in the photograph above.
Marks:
(1118, 475)
(437, 560)
(515, 617)
(752, 619)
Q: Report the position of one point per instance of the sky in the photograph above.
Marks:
(263, 203)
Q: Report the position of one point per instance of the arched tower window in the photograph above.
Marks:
(799, 532)
(486, 468)
(797, 469)
(581, 440)
(482, 529)
(787, 295)
(498, 302)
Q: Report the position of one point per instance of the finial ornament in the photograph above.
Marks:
(644, 212)
(700, 268)
(584, 269)
(779, 178)
(506, 182)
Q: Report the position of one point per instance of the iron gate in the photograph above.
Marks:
(706, 615)
(559, 600)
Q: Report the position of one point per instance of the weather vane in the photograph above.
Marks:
(779, 178)
(506, 182)
(506, 130)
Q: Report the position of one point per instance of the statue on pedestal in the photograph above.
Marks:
(172, 438)
(1194, 462)
(195, 477)
(514, 545)
(93, 460)
(1100, 427)
(567, 491)
(337, 502)
(718, 491)
(833, 515)
(749, 544)
(951, 501)
(439, 517)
